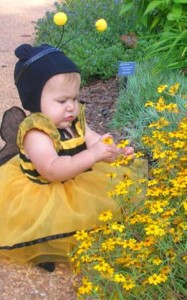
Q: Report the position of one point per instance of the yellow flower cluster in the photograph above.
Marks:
(162, 106)
(143, 254)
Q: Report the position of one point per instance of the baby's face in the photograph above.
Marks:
(59, 99)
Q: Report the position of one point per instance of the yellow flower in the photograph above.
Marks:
(154, 230)
(109, 245)
(171, 254)
(160, 105)
(136, 247)
(105, 216)
(119, 278)
(149, 103)
(149, 241)
(101, 25)
(129, 243)
(165, 270)
(163, 277)
(81, 235)
(161, 88)
(104, 267)
(128, 284)
(173, 89)
(108, 140)
(157, 261)
(160, 124)
(179, 144)
(157, 206)
(154, 279)
(123, 144)
(84, 246)
(185, 205)
(60, 18)
(184, 258)
(152, 182)
(86, 258)
(139, 154)
(86, 287)
(157, 171)
(172, 107)
(118, 227)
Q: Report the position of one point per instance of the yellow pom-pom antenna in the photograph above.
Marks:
(101, 25)
(60, 19)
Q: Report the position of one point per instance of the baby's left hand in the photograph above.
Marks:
(127, 151)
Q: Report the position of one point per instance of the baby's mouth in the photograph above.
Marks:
(69, 119)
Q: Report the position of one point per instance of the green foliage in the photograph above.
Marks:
(96, 53)
(171, 49)
(157, 14)
(131, 115)
(166, 21)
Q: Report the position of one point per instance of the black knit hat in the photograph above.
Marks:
(35, 67)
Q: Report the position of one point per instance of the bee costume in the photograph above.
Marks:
(38, 218)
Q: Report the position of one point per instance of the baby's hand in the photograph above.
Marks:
(126, 151)
(104, 149)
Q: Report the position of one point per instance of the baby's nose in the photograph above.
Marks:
(70, 106)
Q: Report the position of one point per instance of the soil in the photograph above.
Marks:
(100, 98)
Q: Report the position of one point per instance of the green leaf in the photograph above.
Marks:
(175, 13)
(172, 17)
(144, 20)
(180, 1)
(155, 21)
(125, 8)
(177, 9)
(152, 5)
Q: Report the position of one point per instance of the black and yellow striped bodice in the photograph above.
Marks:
(62, 144)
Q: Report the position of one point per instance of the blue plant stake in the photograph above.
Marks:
(126, 69)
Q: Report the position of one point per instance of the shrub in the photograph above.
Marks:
(96, 53)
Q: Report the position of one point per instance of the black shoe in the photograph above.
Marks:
(48, 266)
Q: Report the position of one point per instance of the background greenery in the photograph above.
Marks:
(96, 53)
(131, 115)
(165, 21)
(159, 28)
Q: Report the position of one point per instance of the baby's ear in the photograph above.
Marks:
(23, 51)
(8, 132)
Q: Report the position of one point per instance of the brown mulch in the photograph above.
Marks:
(100, 98)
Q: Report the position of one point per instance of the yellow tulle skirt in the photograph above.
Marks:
(37, 221)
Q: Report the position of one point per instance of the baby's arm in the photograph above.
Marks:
(40, 150)
(91, 136)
